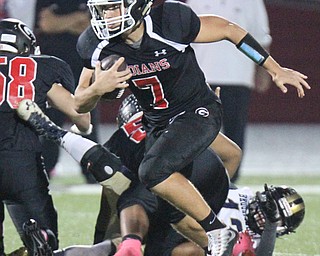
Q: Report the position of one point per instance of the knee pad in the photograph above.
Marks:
(101, 162)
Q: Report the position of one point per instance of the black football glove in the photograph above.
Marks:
(268, 205)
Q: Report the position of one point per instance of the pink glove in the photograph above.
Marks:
(244, 245)
(129, 247)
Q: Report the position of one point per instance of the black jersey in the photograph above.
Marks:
(167, 79)
(128, 143)
(27, 78)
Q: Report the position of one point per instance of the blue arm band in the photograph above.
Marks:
(250, 47)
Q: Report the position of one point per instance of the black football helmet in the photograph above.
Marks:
(130, 13)
(16, 37)
(128, 109)
(291, 208)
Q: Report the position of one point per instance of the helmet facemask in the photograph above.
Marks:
(291, 208)
(130, 13)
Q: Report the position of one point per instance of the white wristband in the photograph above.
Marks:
(76, 130)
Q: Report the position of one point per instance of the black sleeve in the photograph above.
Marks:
(179, 22)
(63, 74)
(268, 240)
(87, 42)
(54, 70)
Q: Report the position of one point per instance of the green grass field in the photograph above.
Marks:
(77, 214)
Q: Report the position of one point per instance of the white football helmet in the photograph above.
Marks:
(130, 13)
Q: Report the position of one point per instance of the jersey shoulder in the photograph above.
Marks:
(87, 43)
(176, 21)
(50, 61)
(52, 70)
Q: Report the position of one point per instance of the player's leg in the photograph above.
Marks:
(208, 166)
(229, 152)
(135, 205)
(104, 248)
(177, 245)
(210, 177)
(170, 150)
(187, 136)
(96, 158)
(164, 240)
(28, 195)
(51, 150)
(107, 224)
(187, 249)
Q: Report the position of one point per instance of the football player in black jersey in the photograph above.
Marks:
(136, 201)
(182, 116)
(128, 143)
(261, 214)
(43, 79)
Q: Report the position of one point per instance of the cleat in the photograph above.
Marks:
(221, 241)
(35, 240)
(31, 113)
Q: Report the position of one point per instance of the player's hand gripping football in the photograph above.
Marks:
(268, 205)
(110, 79)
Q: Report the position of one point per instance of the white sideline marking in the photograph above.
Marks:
(84, 189)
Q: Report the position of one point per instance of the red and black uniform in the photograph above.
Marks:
(23, 180)
(182, 115)
(208, 175)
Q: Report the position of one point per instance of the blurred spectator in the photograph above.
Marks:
(58, 24)
(228, 68)
(3, 9)
(22, 10)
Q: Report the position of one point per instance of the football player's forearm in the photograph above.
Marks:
(86, 100)
(82, 121)
(268, 240)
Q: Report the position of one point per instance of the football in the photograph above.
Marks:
(107, 63)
